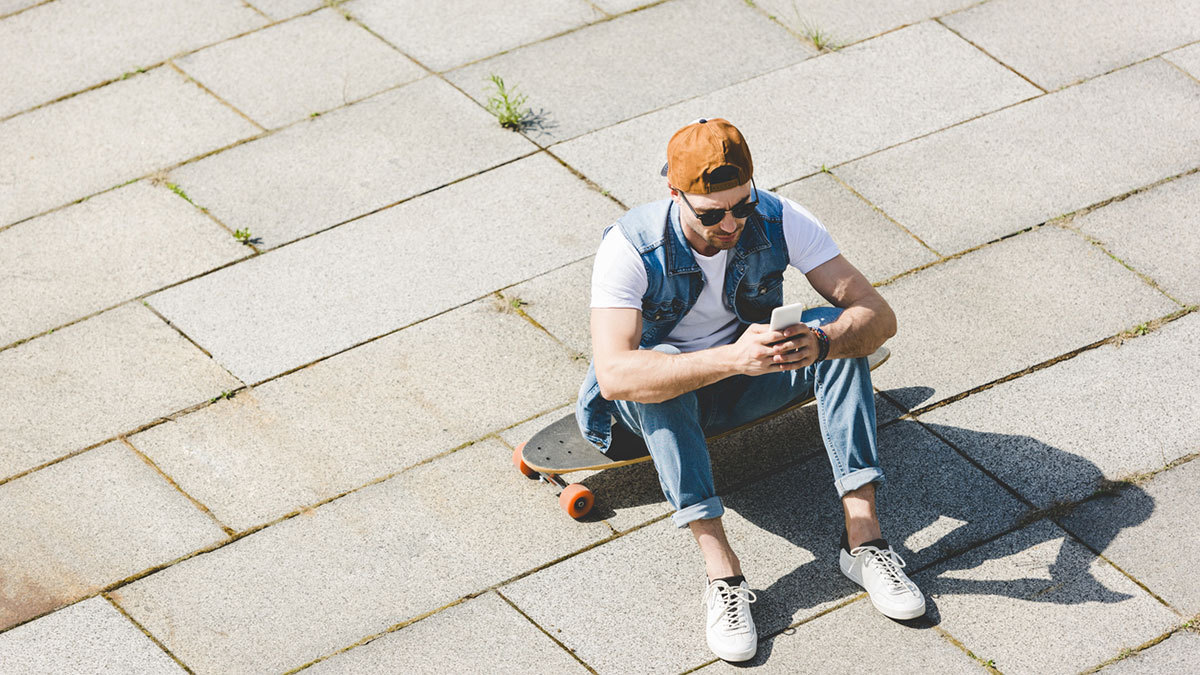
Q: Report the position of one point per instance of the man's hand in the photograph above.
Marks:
(762, 350)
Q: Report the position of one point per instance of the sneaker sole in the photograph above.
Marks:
(845, 561)
(734, 657)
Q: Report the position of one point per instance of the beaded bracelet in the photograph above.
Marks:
(823, 345)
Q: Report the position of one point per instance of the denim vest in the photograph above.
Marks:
(753, 286)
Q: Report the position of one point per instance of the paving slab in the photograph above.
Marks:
(1003, 308)
(64, 47)
(1155, 233)
(838, 642)
(1187, 58)
(1032, 162)
(878, 247)
(442, 35)
(305, 66)
(1132, 527)
(582, 83)
(1065, 421)
(510, 644)
(87, 637)
(1066, 42)
(355, 160)
(890, 89)
(316, 583)
(1037, 601)
(87, 522)
(1176, 654)
(785, 530)
(382, 406)
(332, 291)
(106, 250)
(845, 21)
(41, 167)
(95, 379)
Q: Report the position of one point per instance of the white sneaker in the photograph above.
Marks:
(730, 631)
(878, 570)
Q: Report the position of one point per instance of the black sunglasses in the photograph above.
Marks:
(714, 217)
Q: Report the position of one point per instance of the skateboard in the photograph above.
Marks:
(560, 448)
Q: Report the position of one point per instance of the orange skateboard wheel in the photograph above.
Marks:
(520, 463)
(576, 500)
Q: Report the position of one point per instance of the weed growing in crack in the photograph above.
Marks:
(179, 191)
(131, 73)
(243, 236)
(507, 104)
(820, 38)
(223, 395)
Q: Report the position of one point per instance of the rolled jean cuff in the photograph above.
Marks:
(854, 480)
(709, 508)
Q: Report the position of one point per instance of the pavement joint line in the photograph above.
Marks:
(258, 11)
(229, 531)
(187, 77)
(195, 344)
(1178, 67)
(991, 56)
(1099, 244)
(137, 624)
(841, 181)
(558, 642)
(588, 181)
(514, 306)
(162, 179)
(1126, 652)
(25, 9)
(945, 634)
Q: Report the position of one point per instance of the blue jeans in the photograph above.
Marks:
(675, 430)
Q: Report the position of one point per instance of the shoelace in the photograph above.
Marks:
(887, 562)
(731, 597)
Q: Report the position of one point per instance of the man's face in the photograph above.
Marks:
(725, 234)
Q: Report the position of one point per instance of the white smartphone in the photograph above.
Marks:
(788, 315)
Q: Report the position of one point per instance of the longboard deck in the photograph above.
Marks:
(560, 448)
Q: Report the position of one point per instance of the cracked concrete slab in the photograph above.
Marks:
(618, 83)
(304, 67)
(1025, 165)
(88, 637)
(889, 89)
(87, 522)
(42, 168)
(1003, 308)
(93, 380)
(362, 415)
(355, 160)
(104, 251)
(390, 552)
(327, 293)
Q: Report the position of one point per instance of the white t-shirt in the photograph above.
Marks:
(619, 278)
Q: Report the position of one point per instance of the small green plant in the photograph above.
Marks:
(820, 38)
(179, 191)
(223, 395)
(243, 236)
(316, 114)
(507, 104)
(131, 73)
(518, 303)
(824, 169)
(990, 663)
(1142, 329)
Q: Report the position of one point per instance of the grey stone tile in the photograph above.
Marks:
(452, 640)
(89, 637)
(95, 379)
(582, 82)
(442, 35)
(1037, 601)
(1176, 654)
(875, 245)
(41, 167)
(304, 66)
(840, 642)
(1156, 232)
(311, 585)
(1187, 58)
(87, 522)
(65, 47)
(847, 21)
(383, 406)
(1107, 413)
(1006, 307)
(560, 301)
(1025, 165)
(112, 247)
(826, 110)
(1061, 43)
(329, 292)
(785, 530)
(355, 160)
(1149, 531)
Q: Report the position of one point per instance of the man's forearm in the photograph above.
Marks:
(648, 376)
(860, 330)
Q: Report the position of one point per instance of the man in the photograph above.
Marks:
(681, 291)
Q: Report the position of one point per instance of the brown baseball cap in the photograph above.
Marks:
(708, 155)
